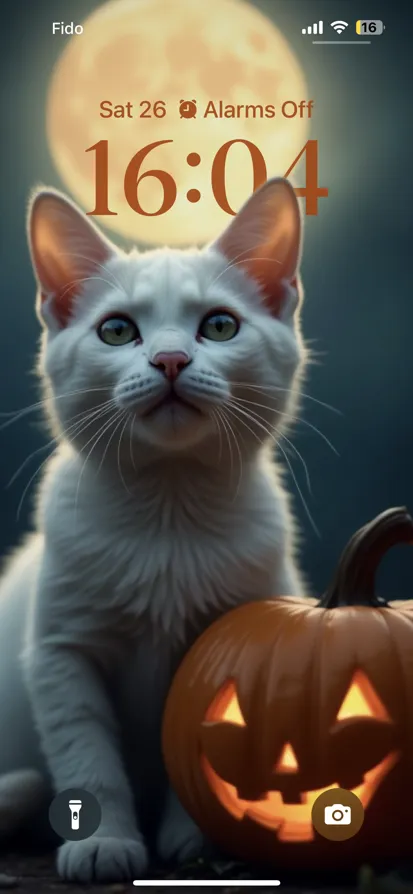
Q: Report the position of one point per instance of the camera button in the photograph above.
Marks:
(337, 814)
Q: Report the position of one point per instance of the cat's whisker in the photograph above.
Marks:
(260, 418)
(95, 440)
(29, 483)
(132, 458)
(119, 419)
(19, 414)
(128, 417)
(26, 461)
(303, 500)
(231, 430)
(291, 391)
(242, 254)
(84, 424)
(238, 263)
(292, 418)
(230, 407)
(237, 409)
(239, 456)
(88, 416)
(70, 423)
(115, 281)
(215, 416)
(302, 461)
(224, 425)
(313, 428)
(82, 279)
(83, 414)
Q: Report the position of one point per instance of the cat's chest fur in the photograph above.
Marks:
(134, 578)
(166, 555)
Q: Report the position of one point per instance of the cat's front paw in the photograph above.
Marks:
(102, 860)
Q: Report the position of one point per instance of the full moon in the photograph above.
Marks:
(147, 51)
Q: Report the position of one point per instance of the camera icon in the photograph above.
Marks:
(337, 815)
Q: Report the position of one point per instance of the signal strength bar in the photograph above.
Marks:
(317, 28)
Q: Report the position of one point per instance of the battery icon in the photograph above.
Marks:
(369, 26)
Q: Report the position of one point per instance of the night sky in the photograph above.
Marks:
(358, 314)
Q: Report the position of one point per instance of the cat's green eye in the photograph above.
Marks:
(118, 331)
(219, 326)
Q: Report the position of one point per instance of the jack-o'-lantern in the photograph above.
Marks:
(280, 700)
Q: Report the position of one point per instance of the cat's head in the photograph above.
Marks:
(170, 349)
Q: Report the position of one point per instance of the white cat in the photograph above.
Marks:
(166, 374)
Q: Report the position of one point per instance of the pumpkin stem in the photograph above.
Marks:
(354, 581)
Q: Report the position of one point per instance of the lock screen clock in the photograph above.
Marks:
(225, 50)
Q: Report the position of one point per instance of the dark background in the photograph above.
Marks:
(358, 314)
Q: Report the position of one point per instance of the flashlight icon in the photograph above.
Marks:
(75, 808)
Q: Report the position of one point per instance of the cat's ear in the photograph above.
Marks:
(265, 240)
(66, 249)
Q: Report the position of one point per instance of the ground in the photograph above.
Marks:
(35, 874)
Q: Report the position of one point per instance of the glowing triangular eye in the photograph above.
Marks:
(225, 706)
(287, 762)
(361, 700)
(232, 712)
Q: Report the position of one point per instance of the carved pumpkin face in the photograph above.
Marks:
(279, 701)
(284, 806)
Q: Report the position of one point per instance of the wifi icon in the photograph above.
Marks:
(339, 27)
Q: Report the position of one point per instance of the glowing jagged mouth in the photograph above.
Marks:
(291, 822)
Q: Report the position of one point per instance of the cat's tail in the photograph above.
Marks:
(21, 793)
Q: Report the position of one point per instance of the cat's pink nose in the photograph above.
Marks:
(171, 363)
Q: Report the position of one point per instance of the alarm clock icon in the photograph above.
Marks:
(187, 108)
